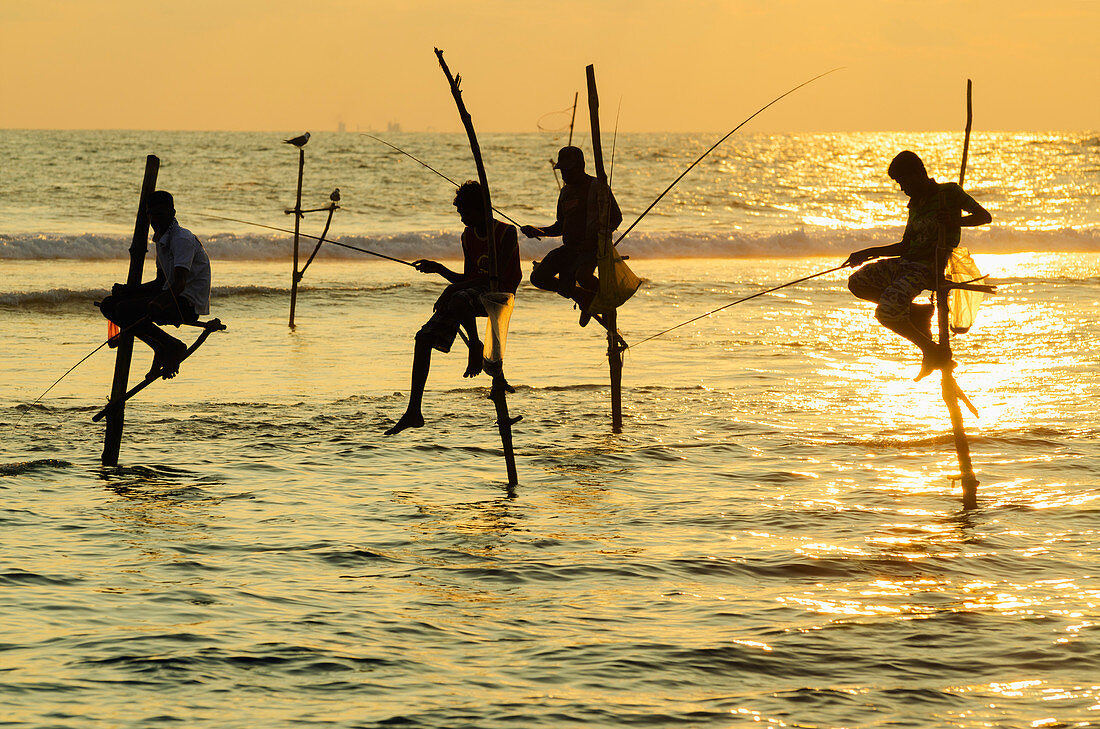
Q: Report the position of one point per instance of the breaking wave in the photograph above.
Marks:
(440, 244)
(62, 297)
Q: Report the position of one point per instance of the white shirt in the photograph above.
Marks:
(179, 248)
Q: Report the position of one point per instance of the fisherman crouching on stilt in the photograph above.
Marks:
(568, 268)
(460, 303)
(178, 295)
(893, 283)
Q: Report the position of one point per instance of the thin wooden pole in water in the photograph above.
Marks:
(614, 350)
(573, 118)
(572, 121)
(948, 387)
(297, 225)
(112, 439)
(499, 391)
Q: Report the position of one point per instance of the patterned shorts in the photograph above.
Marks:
(453, 307)
(892, 283)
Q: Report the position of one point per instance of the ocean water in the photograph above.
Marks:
(774, 539)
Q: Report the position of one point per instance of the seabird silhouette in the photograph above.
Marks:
(298, 141)
(335, 196)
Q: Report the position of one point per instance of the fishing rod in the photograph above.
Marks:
(395, 148)
(715, 146)
(82, 361)
(305, 235)
(739, 301)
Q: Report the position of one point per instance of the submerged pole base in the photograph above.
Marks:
(951, 395)
(970, 492)
(499, 395)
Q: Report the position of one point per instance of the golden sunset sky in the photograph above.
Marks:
(686, 65)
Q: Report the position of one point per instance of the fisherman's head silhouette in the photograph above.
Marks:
(162, 210)
(471, 205)
(908, 171)
(571, 163)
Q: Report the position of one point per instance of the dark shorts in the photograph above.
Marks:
(892, 283)
(453, 307)
(562, 267)
(126, 309)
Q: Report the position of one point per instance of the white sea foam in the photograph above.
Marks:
(436, 244)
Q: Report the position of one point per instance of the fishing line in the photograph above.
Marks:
(739, 301)
(395, 148)
(82, 361)
(304, 235)
(715, 146)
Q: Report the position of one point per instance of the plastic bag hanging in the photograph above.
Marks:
(617, 282)
(963, 304)
(498, 305)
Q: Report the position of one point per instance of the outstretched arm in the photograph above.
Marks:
(425, 266)
(547, 231)
(858, 258)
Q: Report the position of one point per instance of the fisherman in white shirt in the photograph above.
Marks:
(178, 295)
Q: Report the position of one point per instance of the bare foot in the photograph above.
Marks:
(408, 420)
(583, 299)
(473, 365)
(155, 368)
(937, 359)
(170, 363)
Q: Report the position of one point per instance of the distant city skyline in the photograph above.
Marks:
(694, 66)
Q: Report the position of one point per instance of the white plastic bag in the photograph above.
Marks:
(498, 305)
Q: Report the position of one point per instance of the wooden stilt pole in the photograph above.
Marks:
(948, 387)
(112, 439)
(614, 346)
(499, 391)
(297, 225)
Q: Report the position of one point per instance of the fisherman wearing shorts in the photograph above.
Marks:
(458, 307)
(893, 283)
(568, 268)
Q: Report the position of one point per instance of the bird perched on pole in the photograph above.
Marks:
(298, 142)
(335, 196)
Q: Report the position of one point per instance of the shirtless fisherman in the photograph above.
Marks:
(894, 282)
(568, 268)
(460, 303)
(179, 293)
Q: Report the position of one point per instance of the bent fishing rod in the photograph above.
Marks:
(715, 146)
(739, 301)
(304, 235)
